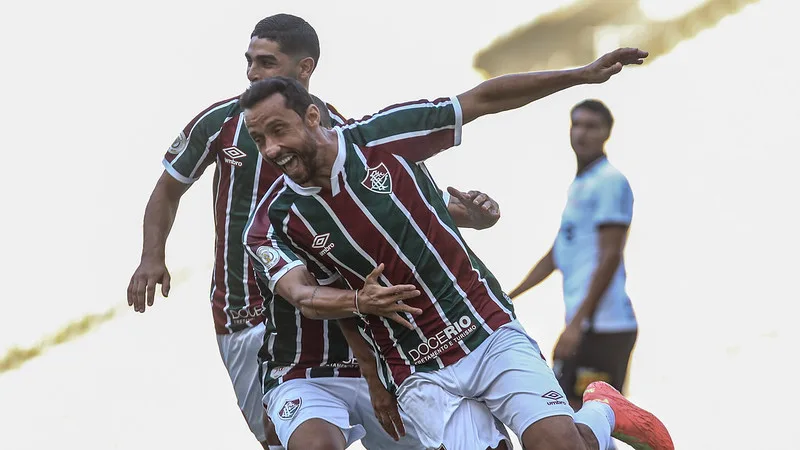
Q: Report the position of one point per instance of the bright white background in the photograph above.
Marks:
(94, 92)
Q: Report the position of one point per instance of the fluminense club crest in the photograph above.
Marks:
(290, 408)
(378, 179)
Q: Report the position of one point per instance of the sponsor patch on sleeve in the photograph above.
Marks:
(179, 144)
(268, 255)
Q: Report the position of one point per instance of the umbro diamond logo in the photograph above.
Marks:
(320, 242)
(554, 397)
(233, 154)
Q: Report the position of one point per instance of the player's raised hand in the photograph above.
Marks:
(481, 211)
(385, 405)
(143, 283)
(387, 302)
(611, 63)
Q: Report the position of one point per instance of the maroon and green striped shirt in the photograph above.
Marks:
(218, 136)
(384, 207)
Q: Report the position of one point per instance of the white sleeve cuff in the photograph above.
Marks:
(459, 121)
(171, 170)
(273, 280)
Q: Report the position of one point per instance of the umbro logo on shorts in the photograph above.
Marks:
(290, 408)
(554, 397)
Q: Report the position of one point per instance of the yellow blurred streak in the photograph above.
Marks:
(16, 356)
(585, 29)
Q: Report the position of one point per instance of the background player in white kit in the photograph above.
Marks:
(601, 326)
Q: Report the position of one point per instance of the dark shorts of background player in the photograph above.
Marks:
(600, 357)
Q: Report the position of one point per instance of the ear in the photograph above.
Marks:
(312, 116)
(608, 135)
(306, 67)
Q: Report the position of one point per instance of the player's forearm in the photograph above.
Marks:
(601, 279)
(319, 302)
(539, 273)
(513, 91)
(159, 216)
(364, 354)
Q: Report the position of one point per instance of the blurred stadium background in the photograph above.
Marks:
(706, 132)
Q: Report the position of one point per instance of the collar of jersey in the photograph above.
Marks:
(592, 166)
(338, 165)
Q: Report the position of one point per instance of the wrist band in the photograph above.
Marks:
(355, 300)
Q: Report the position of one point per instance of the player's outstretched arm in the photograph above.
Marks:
(539, 273)
(300, 289)
(516, 90)
(159, 215)
(472, 209)
(384, 403)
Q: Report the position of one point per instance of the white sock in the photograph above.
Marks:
(599, 417)
(276, 447)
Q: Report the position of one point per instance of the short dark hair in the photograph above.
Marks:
(598, 107)
(294, 35)
(295, 96)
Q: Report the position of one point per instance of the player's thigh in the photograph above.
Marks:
(294, 402)
(239, 352)
(317, 434)
(512, 378)
(472, 425)
(553, 433)
(442, 418)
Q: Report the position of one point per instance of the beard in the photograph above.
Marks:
(307, 166)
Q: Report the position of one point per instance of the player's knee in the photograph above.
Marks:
(553, 433)
(317, 434)
(315, 443)
(318, 445)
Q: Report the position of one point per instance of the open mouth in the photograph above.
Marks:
(284, 160)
